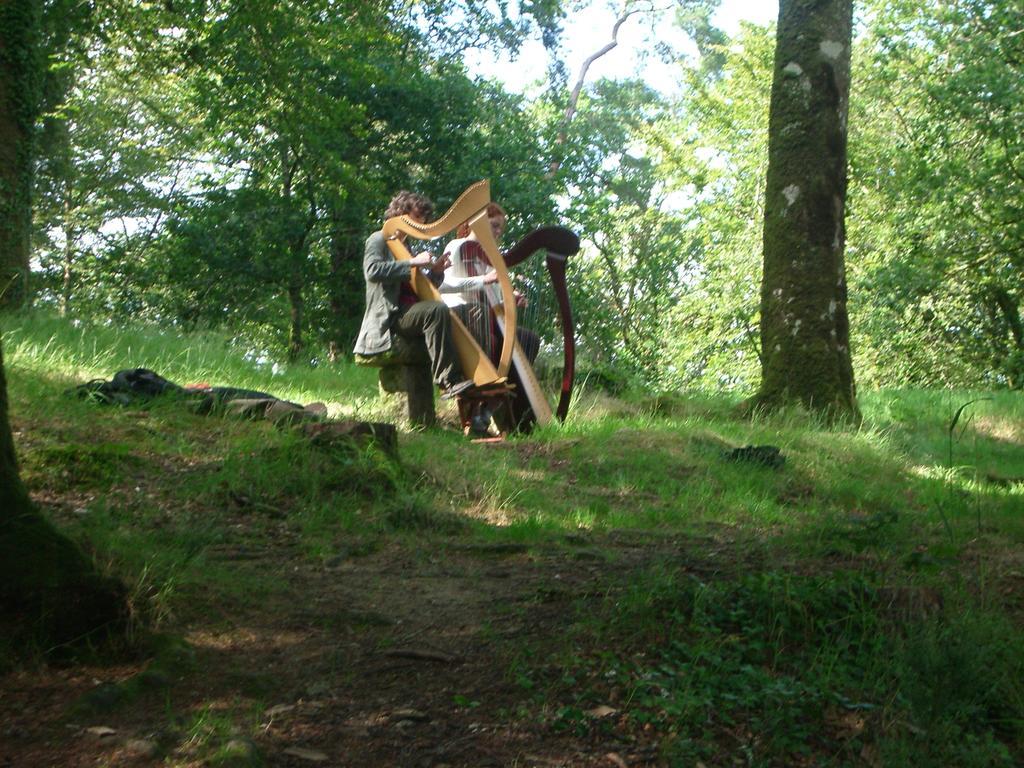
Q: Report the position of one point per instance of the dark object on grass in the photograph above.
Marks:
(766, 455)
(128, 386)
(212, 399)
(139, 385)
(144, 382)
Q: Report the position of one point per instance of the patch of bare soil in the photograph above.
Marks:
(399, 658)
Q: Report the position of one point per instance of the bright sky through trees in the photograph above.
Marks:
(586, 32)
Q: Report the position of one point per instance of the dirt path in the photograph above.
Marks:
(399, 658)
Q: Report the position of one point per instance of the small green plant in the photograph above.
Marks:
(953, 435)
(149, 602)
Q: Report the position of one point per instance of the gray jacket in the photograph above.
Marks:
(384, 276)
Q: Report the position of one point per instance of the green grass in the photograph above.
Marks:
(158, 493)
(60, 353)
(888, 487)
(864, 604)
(781, 668)
(642, 471)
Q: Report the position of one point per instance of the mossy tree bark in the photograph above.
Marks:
(20, 79)
(805, 335)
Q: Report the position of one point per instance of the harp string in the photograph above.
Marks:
(539, 316)
(539, 333)
(473, 305)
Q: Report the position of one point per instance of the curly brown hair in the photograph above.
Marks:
(406, 202)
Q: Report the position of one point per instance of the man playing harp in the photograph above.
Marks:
(393, 307)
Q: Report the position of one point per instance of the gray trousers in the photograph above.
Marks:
(430, 321)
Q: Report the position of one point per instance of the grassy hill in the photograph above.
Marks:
(612, 589)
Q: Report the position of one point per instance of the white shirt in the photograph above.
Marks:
(456, 280)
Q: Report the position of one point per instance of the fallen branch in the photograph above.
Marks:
(574, 97)
(420, 655)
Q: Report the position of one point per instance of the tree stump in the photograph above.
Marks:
(406, 369)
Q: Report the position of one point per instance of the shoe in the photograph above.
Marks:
(457, 389)
(480, 423)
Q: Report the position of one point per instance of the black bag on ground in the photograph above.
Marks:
(144, 383)
(129, 386)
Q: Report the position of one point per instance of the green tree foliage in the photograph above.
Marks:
(715, 156)
(933, 237)
(218, 162)
(628, 276)
(117, 152)
(227, 159)
(936, 230)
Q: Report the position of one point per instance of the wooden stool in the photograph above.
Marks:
(481, 405)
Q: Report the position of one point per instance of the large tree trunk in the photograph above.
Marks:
(297, 306)
(805, 335)
(51, 596)
(19, 99)
(1009, 309)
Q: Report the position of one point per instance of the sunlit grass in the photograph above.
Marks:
(651, 462)
(177, 503)
(64, 353)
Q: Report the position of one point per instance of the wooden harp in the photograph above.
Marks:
(472, 207)
(530, 405)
